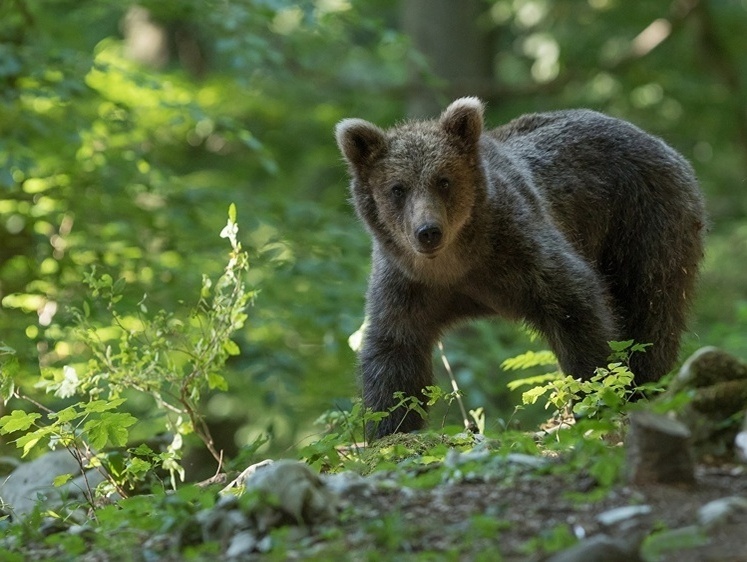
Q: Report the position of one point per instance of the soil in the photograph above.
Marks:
(529, 506)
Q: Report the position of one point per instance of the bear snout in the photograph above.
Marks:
(429, 237)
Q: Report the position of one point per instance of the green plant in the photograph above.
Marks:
(589, 412)
(8, 370)
(608, 390)
(171, 358)
(337, 448)
(550, 540)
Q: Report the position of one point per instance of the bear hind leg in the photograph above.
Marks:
(653, 304)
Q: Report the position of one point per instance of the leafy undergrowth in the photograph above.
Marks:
(452, 501)
(448, 495)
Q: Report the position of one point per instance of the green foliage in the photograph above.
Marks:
(8, 371)
(112, 169)
(609, 389)
(529, 359)
(587, 414)
(333, 451)
(171, 358)
(551, 540)
(667, 541)
(108, 161)
(338, 448)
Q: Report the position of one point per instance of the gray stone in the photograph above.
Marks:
(620, 514)
(348, 485)
(289, 492)
(241, 479)
(740, 442)
(718, 512)
(33, 481)
(241, 544)
(599, 548)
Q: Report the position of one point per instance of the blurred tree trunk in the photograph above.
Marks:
(457, 51)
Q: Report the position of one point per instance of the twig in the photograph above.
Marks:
(455, 387)
(200, 427)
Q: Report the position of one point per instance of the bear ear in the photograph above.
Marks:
(463, 119)
(360, 142)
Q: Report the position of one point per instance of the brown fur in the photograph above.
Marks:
(582, 225)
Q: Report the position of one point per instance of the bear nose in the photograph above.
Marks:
(429, 236)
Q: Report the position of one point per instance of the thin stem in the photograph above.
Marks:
(454, 386)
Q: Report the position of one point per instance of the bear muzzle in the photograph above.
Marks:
(429, 238)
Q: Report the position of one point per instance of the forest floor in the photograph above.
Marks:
(528, 514)
(463, 507)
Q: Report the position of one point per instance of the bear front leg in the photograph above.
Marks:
(404, 321)
(394, 363)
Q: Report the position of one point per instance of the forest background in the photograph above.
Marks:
(127, 129)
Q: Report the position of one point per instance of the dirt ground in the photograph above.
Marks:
(528, 506)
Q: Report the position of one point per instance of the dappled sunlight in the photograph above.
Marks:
(127, 131)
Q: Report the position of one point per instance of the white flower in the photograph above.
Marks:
(230, 231)
(69, 384)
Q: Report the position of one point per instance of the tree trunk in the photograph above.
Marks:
(457, 52)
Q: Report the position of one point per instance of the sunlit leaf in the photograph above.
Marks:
(61, 480)
(110, 428)
(18, 420)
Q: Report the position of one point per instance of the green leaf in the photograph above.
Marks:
(65, 415)
(610, 398)
(217, 381)
(109, 428)
(529, 359)
(61, 480)
(18, 420)
(533, 394)
(533, 381)
(142, 449)
(232, 212)
(9, 368)
(138, 467)
(620, 345)
(231, 347)
(29, 441)
(98, 406)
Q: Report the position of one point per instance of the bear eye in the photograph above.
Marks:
(397, 190)
(444, 184)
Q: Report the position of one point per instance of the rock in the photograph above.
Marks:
(241, 479)
(289, 492)
(620, 514)
(706, 367)
(599, 548)
(241, 544)
(720, 511)
(740, 442)
(33, 481)
(348, 485)
(672, 541)
(531, 461)
(455, 458)
(220, 523)
(717, 383)
(658, 450)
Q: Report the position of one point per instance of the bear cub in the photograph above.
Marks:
(581, 225)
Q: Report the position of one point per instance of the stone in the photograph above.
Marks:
(33, 481)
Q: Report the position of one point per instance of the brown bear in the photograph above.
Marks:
(581, 225)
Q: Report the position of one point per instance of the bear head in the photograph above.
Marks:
(415, 186)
